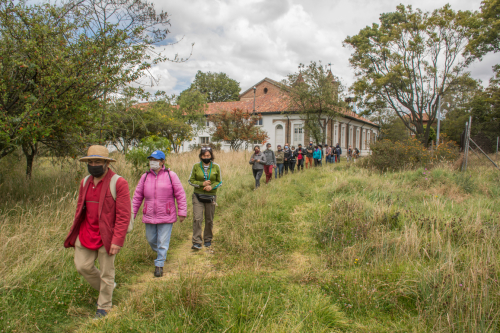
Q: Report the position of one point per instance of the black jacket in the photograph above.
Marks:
(289, 156)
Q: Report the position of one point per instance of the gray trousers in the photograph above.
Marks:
(198, 209)
(257, 174)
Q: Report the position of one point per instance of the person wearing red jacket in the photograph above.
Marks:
(100, 226)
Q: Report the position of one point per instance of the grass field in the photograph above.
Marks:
(337, 248)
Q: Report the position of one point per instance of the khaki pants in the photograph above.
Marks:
(309, 161)
(103, 279)
(198, 208)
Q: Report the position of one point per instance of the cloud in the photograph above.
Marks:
(253, 39)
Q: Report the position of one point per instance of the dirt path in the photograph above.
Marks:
(180, 260)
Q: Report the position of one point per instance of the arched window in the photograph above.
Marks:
(265, 90)
(279, 136)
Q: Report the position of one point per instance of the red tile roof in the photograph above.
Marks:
(270, 103)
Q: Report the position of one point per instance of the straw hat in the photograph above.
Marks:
(97, 152)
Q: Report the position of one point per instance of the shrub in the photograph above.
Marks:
(214, 145)
(138, 155)
(410, 153)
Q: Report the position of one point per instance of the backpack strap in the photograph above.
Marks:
(85, 180)
(173, 193)
(112, 185)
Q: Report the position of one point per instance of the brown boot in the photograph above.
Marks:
(158, 271)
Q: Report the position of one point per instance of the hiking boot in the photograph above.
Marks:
(196, 247)
(208, 244)
(100, 313)
(158, 271)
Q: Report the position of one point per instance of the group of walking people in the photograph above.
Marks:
(284, 160)
(105, 214)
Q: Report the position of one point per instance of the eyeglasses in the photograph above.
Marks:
(206, 148)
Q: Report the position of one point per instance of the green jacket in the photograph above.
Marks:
(280, 156)
(198, 177)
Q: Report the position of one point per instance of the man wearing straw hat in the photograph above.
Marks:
(100, 225)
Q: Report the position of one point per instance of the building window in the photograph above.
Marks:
(204, 140)
(335, 135)
(342, 135)
(258, 122)
(279, 135)
(265, 90)
(207, 123)
(358, 139)
(298, 134)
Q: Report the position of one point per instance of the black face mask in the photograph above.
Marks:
(96, 170)
(206, 160)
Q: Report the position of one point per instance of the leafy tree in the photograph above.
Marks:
(456, 105)
(46, 96)
(485, 32)
(126, 125)
(236, 128)
(179, 123)
(317, 95)
(393, 129)
(408, 60)
(60, 63)
(217, 87)
(485, 109)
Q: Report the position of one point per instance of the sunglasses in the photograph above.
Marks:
(206, 148)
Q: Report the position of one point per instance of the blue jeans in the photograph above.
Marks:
(158, 236)
(278, 170)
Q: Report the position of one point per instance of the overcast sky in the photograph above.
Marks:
(253, 39)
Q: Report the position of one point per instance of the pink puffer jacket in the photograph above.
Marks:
(159, 197)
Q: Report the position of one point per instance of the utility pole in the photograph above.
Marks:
(254, 90)
(439, 120)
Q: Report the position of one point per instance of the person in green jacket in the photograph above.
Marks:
(280, 160)
(206, 179)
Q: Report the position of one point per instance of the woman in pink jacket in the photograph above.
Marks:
(159, 188)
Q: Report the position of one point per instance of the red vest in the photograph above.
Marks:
(114, 216)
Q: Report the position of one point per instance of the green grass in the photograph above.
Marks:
(337, 248)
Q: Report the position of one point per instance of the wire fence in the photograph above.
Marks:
(475, 158)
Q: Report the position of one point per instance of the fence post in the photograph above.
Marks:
(439, 120)
(467, 136)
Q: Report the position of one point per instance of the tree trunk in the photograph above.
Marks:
(30, 149)
(125, 146)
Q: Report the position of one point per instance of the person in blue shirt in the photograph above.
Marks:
(317, 156)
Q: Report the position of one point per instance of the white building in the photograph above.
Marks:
(283, 126)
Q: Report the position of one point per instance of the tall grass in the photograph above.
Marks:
(38, 276)
(337, 248)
